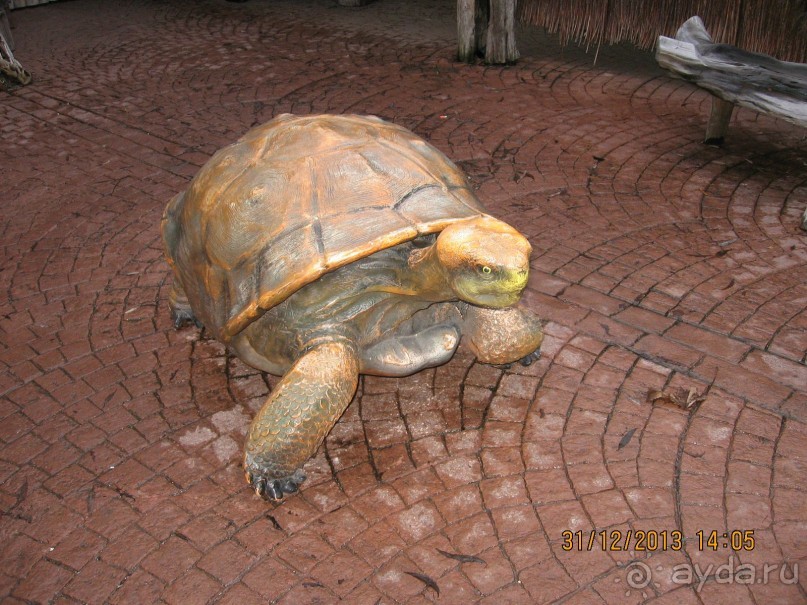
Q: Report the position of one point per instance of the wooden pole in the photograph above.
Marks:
(501, 40)
(466, 30)
(482, 20)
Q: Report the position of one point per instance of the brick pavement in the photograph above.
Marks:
(658, 263)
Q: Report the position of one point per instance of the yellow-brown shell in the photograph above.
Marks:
(298, 197)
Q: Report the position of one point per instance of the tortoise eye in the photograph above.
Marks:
(486, 270)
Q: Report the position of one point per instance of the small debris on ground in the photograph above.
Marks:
(426, 580)
(685, 399)
(625, 439)
(462, 558)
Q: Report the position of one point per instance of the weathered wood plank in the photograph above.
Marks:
(751, 80)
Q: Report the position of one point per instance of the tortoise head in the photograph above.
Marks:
(485, 261)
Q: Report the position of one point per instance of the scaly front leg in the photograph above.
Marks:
(299, 413)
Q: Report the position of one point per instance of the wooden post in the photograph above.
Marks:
(466, 30)
(10, 66)
(501, 40)
(718, 124)
(5, 22)
(482, 21)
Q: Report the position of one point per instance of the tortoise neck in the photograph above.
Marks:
(426, 275)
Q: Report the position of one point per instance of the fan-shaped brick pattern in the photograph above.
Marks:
(659, 264)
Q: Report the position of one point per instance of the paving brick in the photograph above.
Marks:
(585, 570)
(758, 388)
(130, 547)
(95, 582)
(226, 562)
(78, 548)
(515, 521)
(667, 352)
(171, 559)
(546, 583)
(140, 587)
(644, 320)
(591, 299)
(43, 581)
(239, 594)
(341, 573)
(717, 345)
(783, 371)
(600, 326)
(270, 579)
(193, 588)
(663, 264)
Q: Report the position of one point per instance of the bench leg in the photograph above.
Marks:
(718, 121)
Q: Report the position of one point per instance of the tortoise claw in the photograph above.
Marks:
(183, 317)
(289, 486)
(274, 489)
(259, 485)
(528, 359)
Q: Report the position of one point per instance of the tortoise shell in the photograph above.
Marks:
(298, 197)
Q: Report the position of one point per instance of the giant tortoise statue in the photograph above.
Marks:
(323, 247)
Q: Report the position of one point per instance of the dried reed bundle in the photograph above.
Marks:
(774, 27)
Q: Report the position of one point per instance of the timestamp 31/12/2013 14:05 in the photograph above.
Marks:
(653, 540)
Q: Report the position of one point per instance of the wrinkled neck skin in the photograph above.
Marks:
(426, 275)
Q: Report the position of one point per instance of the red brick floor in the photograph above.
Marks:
(658, 263)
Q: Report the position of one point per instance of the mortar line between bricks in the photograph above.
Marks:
(748, 285)
(690, 372)
(95, 143)
(778, 330)
(782, 426)
(370, 459)
(679, 456)
(189, 71)
(701, 378)
(106, 118)
(682, 322)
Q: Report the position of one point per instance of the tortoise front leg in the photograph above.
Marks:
(299, 413)
(501, 336)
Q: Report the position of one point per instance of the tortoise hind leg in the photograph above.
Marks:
(181, 312)
(299, 413)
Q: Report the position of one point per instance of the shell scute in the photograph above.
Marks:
(298, 197)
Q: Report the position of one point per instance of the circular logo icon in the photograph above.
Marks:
(638, 576)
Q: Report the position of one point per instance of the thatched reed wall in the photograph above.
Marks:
(774, 27)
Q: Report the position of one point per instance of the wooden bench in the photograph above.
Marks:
(734, 77)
